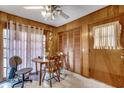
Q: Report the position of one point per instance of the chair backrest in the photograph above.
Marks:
(57, 61)
(64, 59)
(15, 61)
(53, 64)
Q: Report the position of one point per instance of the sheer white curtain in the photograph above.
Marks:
(25, 41)
(107, 36)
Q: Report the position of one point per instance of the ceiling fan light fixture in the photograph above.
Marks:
(47, 7)
(43, 13)
(49, 12)
(53, 17)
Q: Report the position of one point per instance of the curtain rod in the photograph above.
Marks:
(30, 26)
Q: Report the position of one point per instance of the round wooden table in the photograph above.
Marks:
(41, 62)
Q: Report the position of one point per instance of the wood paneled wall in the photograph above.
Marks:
(89, 60)
(4, 17)
(69, 43)
(1, 53)
(105, 66)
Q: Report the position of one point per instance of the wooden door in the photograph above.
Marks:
(69, 43)
(63, 44)
(71, 50)
(77, 61)
(106, 65)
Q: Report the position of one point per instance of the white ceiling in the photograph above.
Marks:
(74, 11)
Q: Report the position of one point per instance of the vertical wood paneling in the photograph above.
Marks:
(60, 35)
(71, 50)
(64, 43)
(85, 50)
(1, 49)
(5, 17)
(121, 9)
(77, 55)
(105, 66)
(69, 43)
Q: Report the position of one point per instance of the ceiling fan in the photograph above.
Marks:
(49, 12)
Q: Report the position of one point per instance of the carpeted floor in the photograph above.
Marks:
(71, 80)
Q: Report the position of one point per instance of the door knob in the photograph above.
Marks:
(122, 56)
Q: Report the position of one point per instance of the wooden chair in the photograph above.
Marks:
(64, 60)
(64, 64)
(52, 68)
(14, 62)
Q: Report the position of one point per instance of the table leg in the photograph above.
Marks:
(40, 79)
(36, 68)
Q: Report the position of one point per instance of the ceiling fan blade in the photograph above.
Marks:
(64, 15)
(33, 7)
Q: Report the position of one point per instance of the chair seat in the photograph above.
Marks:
(51, 70)
(24, 71)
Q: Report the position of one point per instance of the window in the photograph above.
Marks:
(107, 36)
(5, 51)
(26, 49)
(44, 44)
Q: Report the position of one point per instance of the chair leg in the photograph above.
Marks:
(28, 80)
(58, 75)
(22, 81)
(50, 80)
(16, 84)
(23, 77)
(44, 76)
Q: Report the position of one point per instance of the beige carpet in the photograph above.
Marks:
(72, 80)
